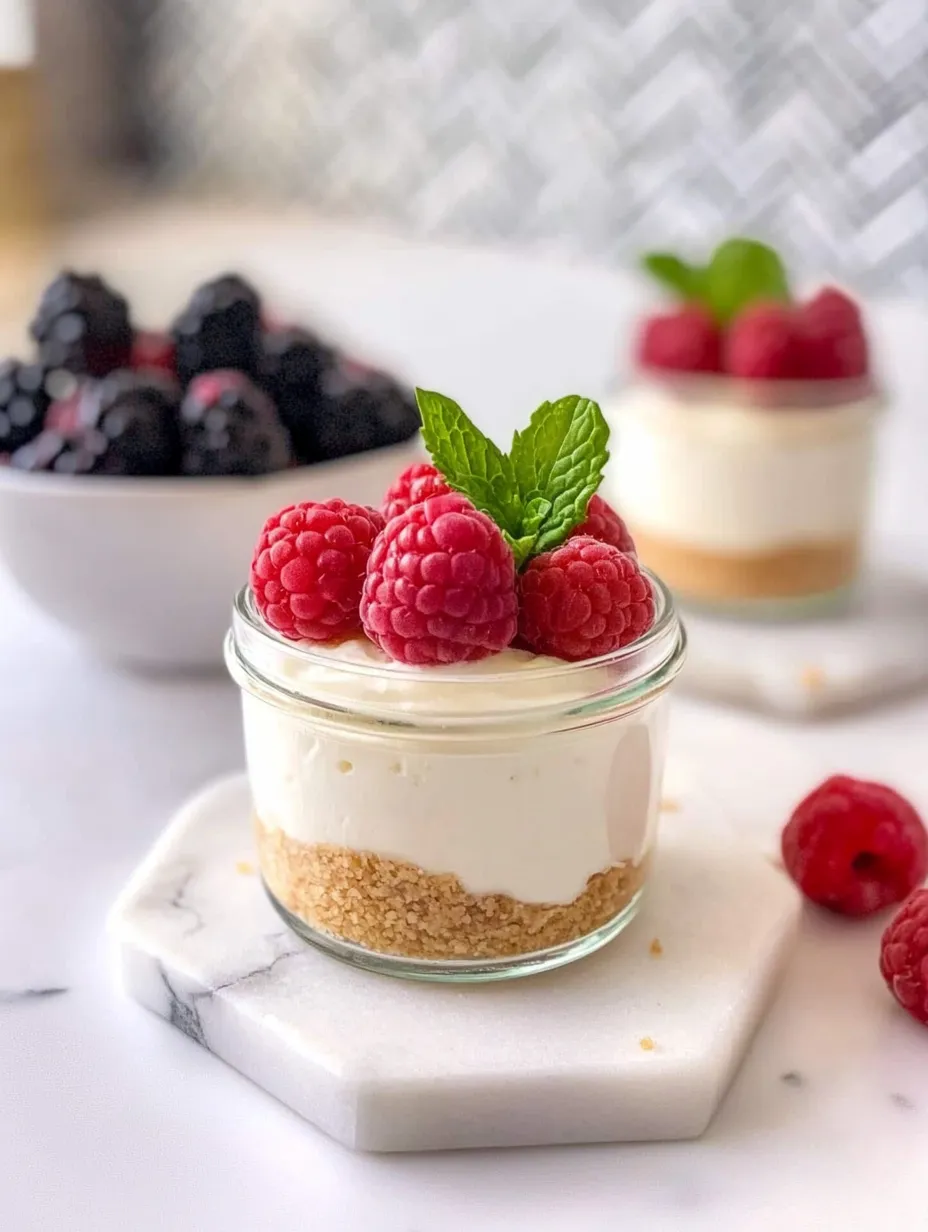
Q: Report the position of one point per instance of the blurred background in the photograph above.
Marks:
(592, 127)
(459, 189)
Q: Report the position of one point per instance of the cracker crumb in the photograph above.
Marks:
(646, 1044)
(656, 949)
(392, 907)
(669, 805)
(245, 867)
(812, 678)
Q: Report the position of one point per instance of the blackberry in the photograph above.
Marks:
(230, 427)
(362, 409)
(220, 328)
(25, 397)
(124, 425)
(83, 325)
(293, 365)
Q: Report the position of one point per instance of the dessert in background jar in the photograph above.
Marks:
(745, 441)
(455, 709)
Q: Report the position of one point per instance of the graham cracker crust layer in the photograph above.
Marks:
(787, 573)
(393, 907)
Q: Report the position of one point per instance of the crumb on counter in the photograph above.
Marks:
(646, 1044)
(669, 805)
(245, 867)
(656, 949)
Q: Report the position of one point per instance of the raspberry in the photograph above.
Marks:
(855, 847)
(684, 341)
(764, 344)
(904, 956)
(603, 523)
(308, 568)
(152, 352)
(416, 484)
(441, 585)
(582, 600)
(834, 345)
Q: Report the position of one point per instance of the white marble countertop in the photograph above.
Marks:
(112, 1120)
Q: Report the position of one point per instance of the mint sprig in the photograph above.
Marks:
(539, 491)
(740, 272)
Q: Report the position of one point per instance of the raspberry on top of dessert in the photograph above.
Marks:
(469, 551)
(737, 317)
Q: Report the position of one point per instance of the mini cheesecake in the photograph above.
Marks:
(745, 442)
(734, 498)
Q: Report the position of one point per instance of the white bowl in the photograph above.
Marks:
(143, 571)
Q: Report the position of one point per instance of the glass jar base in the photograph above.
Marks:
(459, 971)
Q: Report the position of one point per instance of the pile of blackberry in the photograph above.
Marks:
(220, 393)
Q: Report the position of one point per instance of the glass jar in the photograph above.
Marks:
(470, 822)
(747, 497)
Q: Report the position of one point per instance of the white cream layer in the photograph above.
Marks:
(532, 816)
(728, 477)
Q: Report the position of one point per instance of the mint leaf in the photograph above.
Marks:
(537, 493)
(470, 461)
(534, 513)
(673, 272)
(521, 547)
(740, 272)
(560, 457)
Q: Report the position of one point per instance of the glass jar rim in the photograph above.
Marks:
(809, 396)
(295, 674)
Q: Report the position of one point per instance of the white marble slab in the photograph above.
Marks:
(386, 1065)
(877, 648)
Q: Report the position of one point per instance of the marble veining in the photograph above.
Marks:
(640, 1041)
(11, 996)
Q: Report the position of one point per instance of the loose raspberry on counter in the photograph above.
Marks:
(855, 847)
(603, 523)
(416, 484)
(441, 585)
(687, 340)
(308, 568)
(834, 345)
(904, 956)
(764, 343)
(584, 599)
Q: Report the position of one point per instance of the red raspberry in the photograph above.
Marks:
(834, 345)
(416, 484)
(441, 585)
(764, 344)
(152, 352)
(308, 568)
(603, 523)
(904, 956)
(855, 847)
(687, 340)
(584, 599)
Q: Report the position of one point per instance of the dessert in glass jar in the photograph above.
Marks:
(455, 709)
(746, 439)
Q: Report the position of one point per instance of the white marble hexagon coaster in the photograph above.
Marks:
(877, 648)
(636, 1042)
